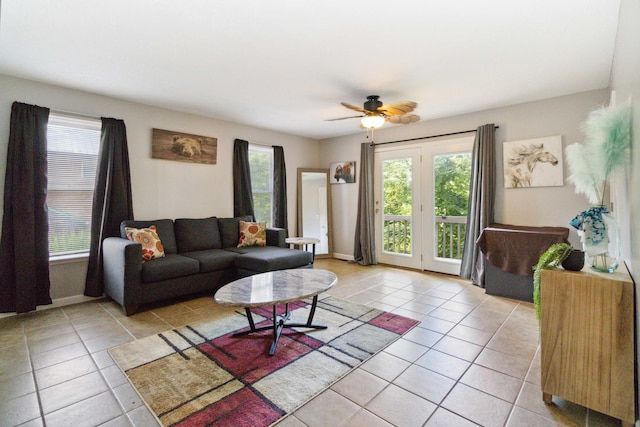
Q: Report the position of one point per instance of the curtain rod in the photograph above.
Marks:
(428, 137)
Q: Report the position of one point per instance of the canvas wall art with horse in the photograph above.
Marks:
(533, 163)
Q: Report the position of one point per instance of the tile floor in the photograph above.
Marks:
(473, 360)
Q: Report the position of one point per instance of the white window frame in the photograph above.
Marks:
(86, 182)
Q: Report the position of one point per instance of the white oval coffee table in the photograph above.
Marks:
(273, 288)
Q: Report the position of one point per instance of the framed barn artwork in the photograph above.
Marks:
(183, 147)
(342, 172)
(533, 163)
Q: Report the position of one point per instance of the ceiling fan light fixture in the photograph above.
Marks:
(372, 122)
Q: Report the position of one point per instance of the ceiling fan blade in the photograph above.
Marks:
(398, 108)
(344, 118)
(352, 107)
(404, 119)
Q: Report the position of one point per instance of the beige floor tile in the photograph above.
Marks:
(385, 366)
(327, 409)
(58, 355)
(65, 371)
(50, 343)
(448, 315)
(482, 323)
(471, 335)
(49, 331)
(408, 313)
(94, 411)
(405, 294)
(444, 418)
(290, 421)
(392, 300)
(425, 383)
(360, 386)
(14, 361)
(19, 410)
(102, 343)
(458, 307)
(406, 350)
(419, 307)
(505, 342)
(492, 382)
(365, 418)
(438, 293)
(72, 391)
(444, 364)
(436, 324)
(430, 300)
(141, 416)
(17, 386)
(44, 318)
(479, 407)
(400, 407)
(521, 417)
(458, 348)
(423, 336)
(506, 363)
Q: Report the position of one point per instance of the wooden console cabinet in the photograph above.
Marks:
(587, 340)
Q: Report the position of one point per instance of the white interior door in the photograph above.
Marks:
(397, 204)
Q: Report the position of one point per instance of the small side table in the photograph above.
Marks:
(306, 241)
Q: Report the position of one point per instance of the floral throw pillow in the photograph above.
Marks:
(253, 234)
(148, 238)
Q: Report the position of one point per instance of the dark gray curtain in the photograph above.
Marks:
(24, 245)
(279, 209)
(482, 192)
(112, 201)
(364, 251)
(242, 194)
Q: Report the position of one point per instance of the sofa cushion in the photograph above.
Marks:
(213, 259)
(164, 228)
(268, 258)
(230, 230)
(197, 234)
(148, 238)
(169, 267)
(252, 234)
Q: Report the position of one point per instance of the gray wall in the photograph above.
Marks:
(544, 206)
(161, 188)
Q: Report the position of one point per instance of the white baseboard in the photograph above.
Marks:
(56, 303)
(344, 257)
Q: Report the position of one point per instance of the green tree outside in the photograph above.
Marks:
(261, 166)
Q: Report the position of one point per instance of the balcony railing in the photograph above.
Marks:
(397, 234)
(450, 233)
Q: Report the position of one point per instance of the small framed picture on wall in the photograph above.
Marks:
(342, 172)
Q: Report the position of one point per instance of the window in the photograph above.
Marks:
(72, 158)
(261, 166)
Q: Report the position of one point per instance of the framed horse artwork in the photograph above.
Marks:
(533, 163)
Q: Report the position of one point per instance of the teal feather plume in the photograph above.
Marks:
(607, 146)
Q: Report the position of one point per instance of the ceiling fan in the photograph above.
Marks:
(375, 113)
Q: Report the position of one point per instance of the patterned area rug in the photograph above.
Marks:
(201, 375)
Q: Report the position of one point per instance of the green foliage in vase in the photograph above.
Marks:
(550, 259)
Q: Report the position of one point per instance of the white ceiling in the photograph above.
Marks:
(285, 65)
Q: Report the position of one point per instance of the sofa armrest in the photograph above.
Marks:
(276, 237)
(122, 262)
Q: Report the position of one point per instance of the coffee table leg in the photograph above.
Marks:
(250, 317)
(278, 325)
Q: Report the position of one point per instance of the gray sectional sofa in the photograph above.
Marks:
(200, 255)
